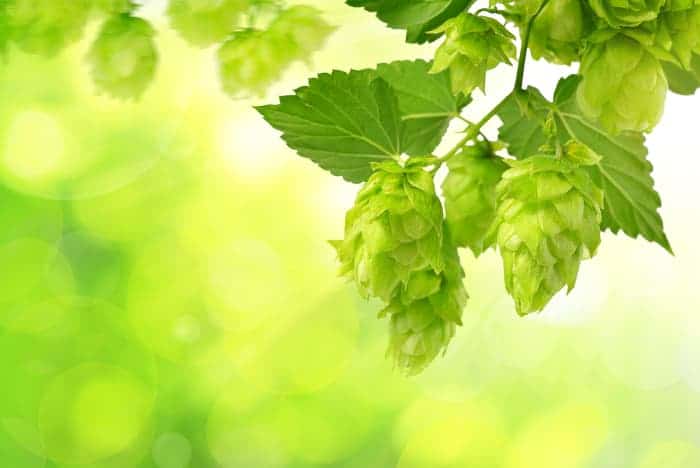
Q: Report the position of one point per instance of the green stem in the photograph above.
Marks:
(474, 130)
(520, 74)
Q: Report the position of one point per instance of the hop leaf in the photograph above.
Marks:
(396, 249)
(615, 74)
(206, 22)
(303, 28)
(558, 31)
(45, 27)
(626, 13)
(473, 45)
(549, 218)
(470, 195)
(124, 57)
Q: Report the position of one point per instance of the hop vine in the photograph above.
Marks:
(559, 172)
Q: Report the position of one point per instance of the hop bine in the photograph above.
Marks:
(397, 249)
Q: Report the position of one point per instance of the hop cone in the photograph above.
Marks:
(470, 195)
(549, 218)
(124, 56)
(206, 22)
(303, 28)
(252, 60)
(46, 26)
(558, 31)
(679, 33)
(422, 325)
(473, 45)
(626, 13)
(396, 249)
(616, 73)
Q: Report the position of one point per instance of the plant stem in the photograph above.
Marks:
(474, 130)
(520, 74)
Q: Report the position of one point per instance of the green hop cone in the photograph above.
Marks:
(679, 33)
(394, 233)
(45, 27)
(421, 329)
(616, 73)
(470, 195)
(252, 60)
(558, 31)
(473, 45)
(206, 22)
(548, 221)
(626, 13)
(124, 57)
(303, 28)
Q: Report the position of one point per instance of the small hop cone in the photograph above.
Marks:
(473, 45)
(253, 60)
(45, 27)
(548, 222)
(626, 13)
(421, 329)
(470, 195)
(124, 57)
(615, 74)
(393, 234)
(303, 28)
(206, 22)
(558, 32)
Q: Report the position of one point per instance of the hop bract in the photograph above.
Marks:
(626, 13)
(623, 86)
(396, 249)
(470, 195)
(549, 218)
(206, 22)
(302, 28)
(473, 45)
(46, 26)
(558, 31)
(124, 57)
(679, 33)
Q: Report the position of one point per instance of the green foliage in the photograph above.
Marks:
(206, 22)
(549, 214)
(473, 45)
(346, 121)
(124, 56)
(580, 162)
(470, 195)
(395, 249)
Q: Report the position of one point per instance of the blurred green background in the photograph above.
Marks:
(168, 299)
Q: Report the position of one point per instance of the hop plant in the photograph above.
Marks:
(114, 7)
(626, 13)
(206, 22)
(396, 249)
(679, 33)
(303, 29)
(470, 195)
(473, 45)
(549, 214)
(123, 57)
(45, 27)
(616, 74)
(558, 32)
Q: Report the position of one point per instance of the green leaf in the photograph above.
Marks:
(683, 82)
(346, 121)
(425, 101)
(417, 17)
(624, 173)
